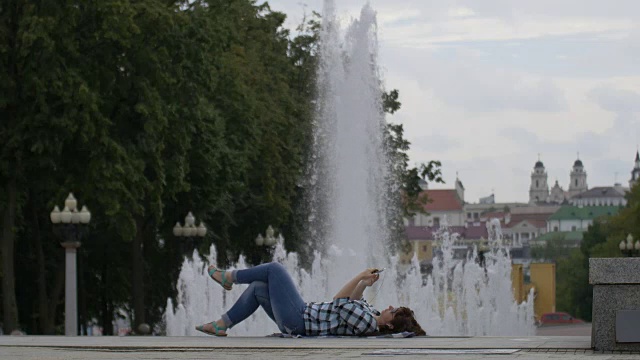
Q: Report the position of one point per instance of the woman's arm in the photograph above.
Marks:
(349, 289)
(357, 292)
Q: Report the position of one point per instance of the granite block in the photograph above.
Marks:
(607, 300)
(614, 271)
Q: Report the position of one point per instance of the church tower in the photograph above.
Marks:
(635, 173)
(459, 188)
(557, 194)
(578, 179)
(539, 190)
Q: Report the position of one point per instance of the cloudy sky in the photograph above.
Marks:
(488, 85)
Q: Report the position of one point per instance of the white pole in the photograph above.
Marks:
(70, 289)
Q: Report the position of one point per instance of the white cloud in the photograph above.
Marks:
(470, 85)
(616, 100)
(460, 12)
(487, 85)
(428, 34)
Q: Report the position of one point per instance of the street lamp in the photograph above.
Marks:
(629, 248)
(268, 240)
(189, 231)
(71, 225)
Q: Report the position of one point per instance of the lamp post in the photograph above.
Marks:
(70, 224)
(628, 248)
(189, 231)
(268, 241)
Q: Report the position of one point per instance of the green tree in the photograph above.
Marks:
(555, 248)
(573, 292)
(128, 67)
(409, 178)
(411, 198)
(572, 286)
(147, 110)
(626, 221)
(602, 239)
(44, 106)
(303, 54)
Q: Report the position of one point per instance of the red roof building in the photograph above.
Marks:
(444, 206)
(442, 200)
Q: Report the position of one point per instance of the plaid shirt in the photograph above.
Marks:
(340, 317)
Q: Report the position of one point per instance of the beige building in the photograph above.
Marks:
(483, 212)
(542, 279)
(444, 205)
(527, 223)
(601, 196)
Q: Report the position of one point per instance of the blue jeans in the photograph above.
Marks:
(271, 287)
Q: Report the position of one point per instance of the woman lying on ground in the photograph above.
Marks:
(271, 287)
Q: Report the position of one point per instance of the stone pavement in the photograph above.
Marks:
(565, 330)
(201, 347)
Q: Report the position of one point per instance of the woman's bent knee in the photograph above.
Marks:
(276, 266)
(258, 285)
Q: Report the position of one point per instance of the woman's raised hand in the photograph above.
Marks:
(369, 277)
(353, 289)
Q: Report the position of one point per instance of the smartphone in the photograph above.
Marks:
(378, 271)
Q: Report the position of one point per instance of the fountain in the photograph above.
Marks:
(350, 204)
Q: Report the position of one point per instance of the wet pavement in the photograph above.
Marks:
(204, 343)
(202, 347)
(565, 330)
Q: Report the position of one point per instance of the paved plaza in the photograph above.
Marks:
(201, 347)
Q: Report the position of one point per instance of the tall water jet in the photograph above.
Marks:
(350, 179)
(349, 219)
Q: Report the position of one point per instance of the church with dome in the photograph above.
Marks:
(578, 193)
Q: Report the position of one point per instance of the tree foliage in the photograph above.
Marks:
(556, 248)
(602, 239)
(147, 110)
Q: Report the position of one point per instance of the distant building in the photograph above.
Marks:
(443, 205)
(548, 213)
(422, 240)
(541, 277)
(578, 218)
(578, 192)
(459, 189)
(569, 223)
(539, 189)
(601, 196)
(635, 173)
(526, 223)
(420, 243)
(557, 195)
(578, 179)
(484, 212)
(491, 199)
